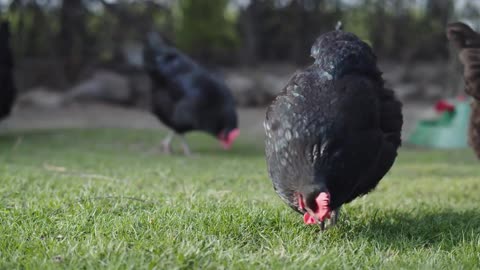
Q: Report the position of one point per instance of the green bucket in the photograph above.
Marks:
(449, 131)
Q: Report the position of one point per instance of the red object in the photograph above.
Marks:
(229, 139)
(323, 211)
(307, 219)
(444, 106)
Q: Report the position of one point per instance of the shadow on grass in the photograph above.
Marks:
(147, 141)
(8, 140)
(446, 229)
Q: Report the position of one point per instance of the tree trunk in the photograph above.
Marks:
(72, 37)
(248, 30)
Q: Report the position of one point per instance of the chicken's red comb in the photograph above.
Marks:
(323, 200)
(323, 210)
(231, 136)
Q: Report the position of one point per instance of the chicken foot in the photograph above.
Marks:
(167, 144)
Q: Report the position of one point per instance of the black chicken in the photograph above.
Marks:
(468, 42)
(7, 87)
(334, 131)
(187, 97)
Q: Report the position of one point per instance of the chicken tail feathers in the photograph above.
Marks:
(154, 45)
(339, 26)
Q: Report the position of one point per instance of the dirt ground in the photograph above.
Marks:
(107, 116)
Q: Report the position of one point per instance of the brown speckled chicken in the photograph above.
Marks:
(468, 42)
(333, 132)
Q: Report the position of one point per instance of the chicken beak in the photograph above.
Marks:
(322, 201)
(321, 224)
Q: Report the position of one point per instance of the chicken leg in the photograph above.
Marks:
(334, 217)
(167, 143)
(186, 148)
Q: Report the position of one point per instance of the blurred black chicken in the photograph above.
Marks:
(7, 87)
(187, 97)
(333, 132)
(468, 42)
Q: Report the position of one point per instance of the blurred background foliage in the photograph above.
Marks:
(74, 35)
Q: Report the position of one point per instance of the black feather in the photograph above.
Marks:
(7, 85)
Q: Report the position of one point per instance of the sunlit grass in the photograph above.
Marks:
(111, 199)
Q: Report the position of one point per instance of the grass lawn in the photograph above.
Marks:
(109, 199)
